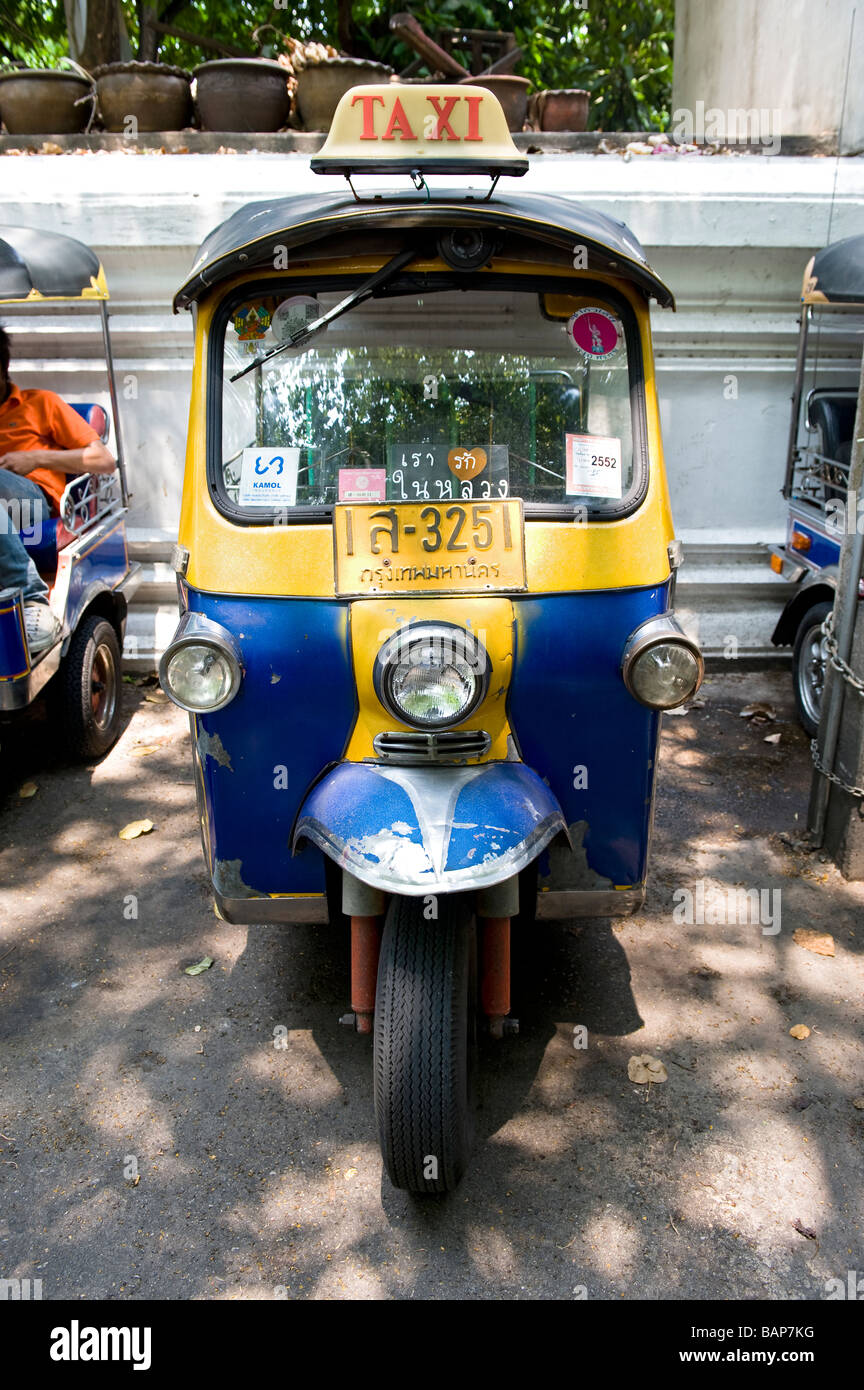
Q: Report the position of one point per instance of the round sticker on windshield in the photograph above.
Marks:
(292, 315)
(595, 332)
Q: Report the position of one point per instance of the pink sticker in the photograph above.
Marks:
(595, 332)
(362, 484)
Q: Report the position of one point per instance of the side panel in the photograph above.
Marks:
(291, 718)
(570, 710)
(101, 564)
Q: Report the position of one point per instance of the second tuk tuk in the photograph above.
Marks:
(48, 282)
(426, 569)
(816, 482)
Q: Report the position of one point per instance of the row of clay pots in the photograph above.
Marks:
(233, 95)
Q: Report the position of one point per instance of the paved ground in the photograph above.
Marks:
(259, 1175)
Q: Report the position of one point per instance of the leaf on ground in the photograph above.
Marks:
(199, 969)
(821, 943)
(858, 1102)
(759, 713)
(28, 789)
(156, 697)
(803, 1230)
(646, 1068)
(799, 1030)
(142, 750)
(136, 828)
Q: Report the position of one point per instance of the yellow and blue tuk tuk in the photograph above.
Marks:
(426, 568)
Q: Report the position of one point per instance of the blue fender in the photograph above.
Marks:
(423, 830)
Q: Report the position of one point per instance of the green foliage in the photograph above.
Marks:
(620, 50)
(32, 32)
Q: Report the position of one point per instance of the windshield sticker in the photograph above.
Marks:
(362, 484)
(292, 315)
(436, 473)
(593, 465)
(268, 477)
(251, 323)
(594, 332)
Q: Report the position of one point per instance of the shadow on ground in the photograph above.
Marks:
(257, 1168)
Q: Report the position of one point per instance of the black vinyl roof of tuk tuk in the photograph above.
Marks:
(250, 237)
(835, 275)
(38, 265)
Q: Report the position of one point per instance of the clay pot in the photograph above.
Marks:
(563, 108)
(157, 96)
(512, 92)
(242, 94)
(320, 86)
(37, 101)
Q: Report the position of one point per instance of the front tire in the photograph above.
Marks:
(89, 690)
(809, 664)
(425, 1043)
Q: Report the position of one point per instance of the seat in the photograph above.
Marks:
(53, 535)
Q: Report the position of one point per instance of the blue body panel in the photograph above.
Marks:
(570, 709)
(101, 565)
(294, 710)
(419, 830)
(824, 550)
(14, 660)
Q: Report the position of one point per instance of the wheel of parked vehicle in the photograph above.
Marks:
(425, 1043)
(809, 662)
(89, 681)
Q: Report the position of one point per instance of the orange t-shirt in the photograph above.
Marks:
(40, 420)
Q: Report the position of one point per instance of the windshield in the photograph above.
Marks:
(429, 397)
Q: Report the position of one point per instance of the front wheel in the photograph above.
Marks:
(425, 1043)
(89, 690)
(809, 662)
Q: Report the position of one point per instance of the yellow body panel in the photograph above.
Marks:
(297, 560)
(373, 621)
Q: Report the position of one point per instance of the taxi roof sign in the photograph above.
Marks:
(396, 128)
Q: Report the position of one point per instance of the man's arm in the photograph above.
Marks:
(93, 458)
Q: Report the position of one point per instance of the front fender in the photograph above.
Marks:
(434, 829)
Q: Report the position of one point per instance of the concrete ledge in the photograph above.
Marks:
(308, 142)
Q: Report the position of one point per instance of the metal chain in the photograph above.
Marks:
(832, 776)
(840, 666)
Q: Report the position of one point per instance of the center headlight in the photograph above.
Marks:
(431, 675)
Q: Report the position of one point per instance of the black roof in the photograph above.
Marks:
(54, 266)
(836, 273)
(251, 236)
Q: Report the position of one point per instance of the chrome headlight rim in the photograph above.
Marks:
(661, 630)
(465, 646)
(196, 630)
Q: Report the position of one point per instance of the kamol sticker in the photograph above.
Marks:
(268, 477)
(593, 465)
(595, 332)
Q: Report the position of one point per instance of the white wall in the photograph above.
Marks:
(786, 55)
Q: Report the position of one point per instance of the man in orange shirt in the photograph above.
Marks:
(42, 440)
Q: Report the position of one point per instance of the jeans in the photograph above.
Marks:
(24, 506)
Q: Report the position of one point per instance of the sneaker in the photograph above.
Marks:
(41, 626)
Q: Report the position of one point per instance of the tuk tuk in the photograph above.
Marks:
(816, 482)
(425, 566)
(80, 551)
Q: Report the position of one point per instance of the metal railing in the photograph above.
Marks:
(89, 499)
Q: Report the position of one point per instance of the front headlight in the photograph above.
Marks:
(662, 667)
(200, 670)
(431, 675)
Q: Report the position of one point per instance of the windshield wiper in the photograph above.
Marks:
(363, 291)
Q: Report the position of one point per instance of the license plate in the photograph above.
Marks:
(453, 548)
